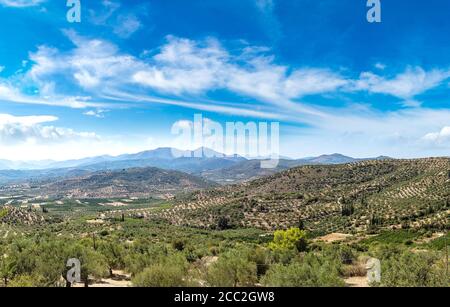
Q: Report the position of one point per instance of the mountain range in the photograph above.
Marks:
(202, 162)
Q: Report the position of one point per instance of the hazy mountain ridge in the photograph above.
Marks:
(201, 162)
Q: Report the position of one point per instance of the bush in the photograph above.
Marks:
(414, 270)
(178, 245)
(293, 238)
(170, 273)
(223, 223)
(312, 271)
(233, 269)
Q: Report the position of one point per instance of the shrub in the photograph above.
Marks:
(414, 270)
(293, 238)
(231, 270)
(312, 271)
(169, 273)
(223, 223)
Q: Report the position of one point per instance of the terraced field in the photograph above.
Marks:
(349, 198)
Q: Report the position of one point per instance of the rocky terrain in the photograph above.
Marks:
(18, 216)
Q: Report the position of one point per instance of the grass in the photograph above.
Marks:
(439, 243)
(394, 237)
(3, 213)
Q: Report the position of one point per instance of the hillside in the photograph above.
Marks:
(246, 171)
(347, 198)
(135, 182)
(18, 216)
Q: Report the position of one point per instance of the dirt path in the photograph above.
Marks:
(357, 282)
(120, 279)
(334, 237)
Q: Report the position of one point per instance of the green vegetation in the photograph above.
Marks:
(293, 238)
(156, 254)
(3, 213)
(305, 227)
(368, 196)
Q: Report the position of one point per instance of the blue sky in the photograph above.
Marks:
(119, 80)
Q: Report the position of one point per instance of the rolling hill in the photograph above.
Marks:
(329, 198)
(134, 182)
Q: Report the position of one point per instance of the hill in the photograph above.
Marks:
(135, 182)
(17, 216)
(246, 171)
(354, 197)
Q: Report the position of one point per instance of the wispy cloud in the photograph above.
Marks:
(127, 25)
(184, 71)
(253, 74)
(100, 17)
(95, 113)
(407, 85)
(9, 93)
(21, 3)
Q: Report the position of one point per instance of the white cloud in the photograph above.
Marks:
(185, 71)
(364, 132)
(29, 129)
(407, 85)
(180, 62)
(91, 64)
(440, 137)
(21, 3)
(188, 68)
(101, 17)
(380, 66)
(2, 68)
(9, 93)
(26, 138)
(212, 66)
(95, 113)
(127, 25)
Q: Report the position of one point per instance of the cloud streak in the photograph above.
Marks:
(184, 68)
(21, 3)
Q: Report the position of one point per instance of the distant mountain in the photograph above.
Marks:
(246, 170)
(202, 162)
(155, 155)
(135, 182)
(251, 169)
(330, 159)
(4, 164)
(21, 176)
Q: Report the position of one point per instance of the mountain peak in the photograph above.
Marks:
(335, 158)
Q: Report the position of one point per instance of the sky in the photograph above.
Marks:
(118, 81)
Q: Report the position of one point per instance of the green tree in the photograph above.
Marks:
(7, 268)
(114, 254)
(290, 239)
(92, 262)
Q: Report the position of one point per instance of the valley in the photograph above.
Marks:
(303, 224)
